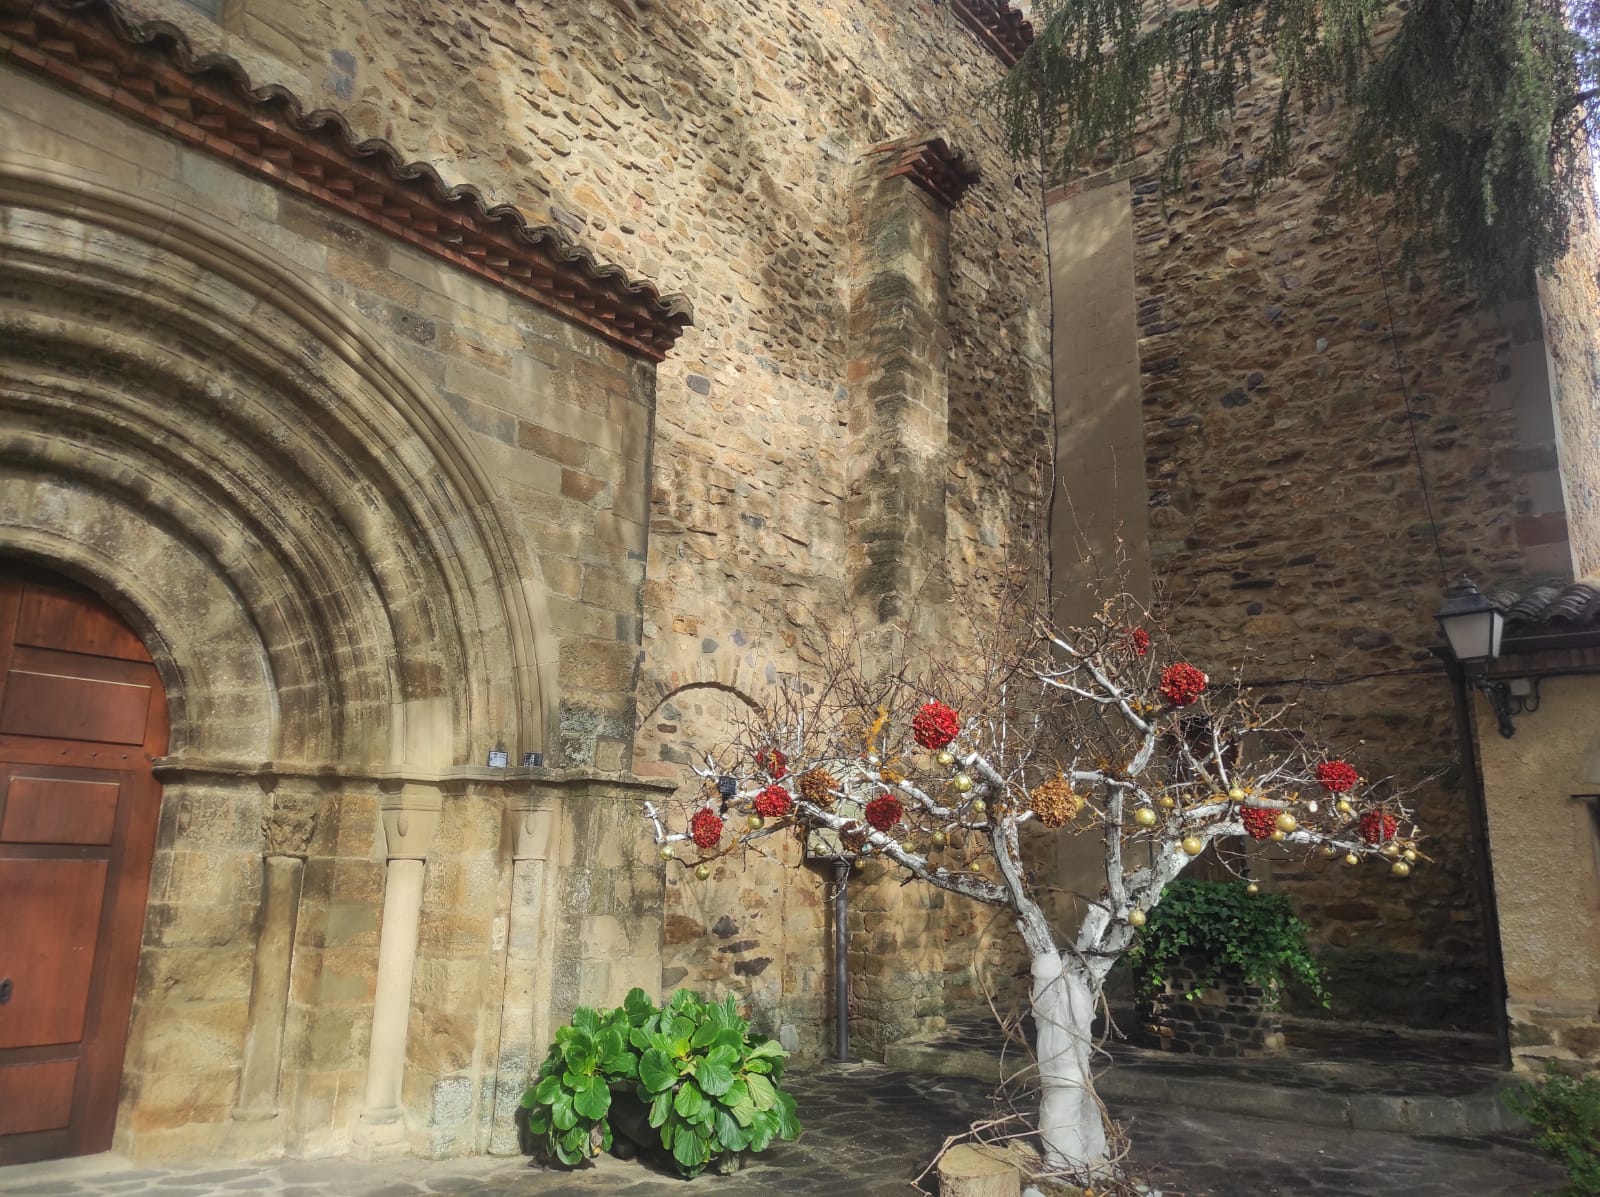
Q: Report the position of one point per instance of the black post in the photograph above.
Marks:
(841, 966)
(1477, 809)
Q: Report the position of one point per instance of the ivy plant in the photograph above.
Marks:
(710, 1085)
(1220, 923)
(1566, 1112)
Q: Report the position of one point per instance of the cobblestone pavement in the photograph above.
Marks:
(868, 1131)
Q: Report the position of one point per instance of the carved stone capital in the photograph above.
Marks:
(410, 819)
(287, 830)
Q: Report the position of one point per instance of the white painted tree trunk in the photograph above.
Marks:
(1071, 1123)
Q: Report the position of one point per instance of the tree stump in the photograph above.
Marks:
(967, 1171)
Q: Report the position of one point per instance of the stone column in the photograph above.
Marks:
(899, 348)
(527, 966)
(287, 831)
(410, 819)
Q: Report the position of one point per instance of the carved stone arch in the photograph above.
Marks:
(303, 510)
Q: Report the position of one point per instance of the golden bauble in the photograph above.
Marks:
(755, 822)
(979, 806)
(1400, 869)
(938, 839)
(1193, 845)
(946, 758)
(1342, 806)
(1252, 888)
(1136, 918)
(666, 852)
(962, 782)
(1350, 858)
(1144, 817)
(1390, 849)
(1329, 851)
(1166, 802)
(1409, 855)
(1277, 836)
(1236, 794)
(702, 872)
(1286, 821)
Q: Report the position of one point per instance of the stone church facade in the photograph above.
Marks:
(392, 386)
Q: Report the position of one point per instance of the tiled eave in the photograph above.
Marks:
(1550, 617)
(930, 163)
(1004, 31)
(148, 72)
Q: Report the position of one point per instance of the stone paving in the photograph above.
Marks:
(869, 1131)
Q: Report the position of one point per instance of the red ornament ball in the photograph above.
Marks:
(1337, 777)
(1259, 823)
(935, 725)
(883, 812)
(772, 761)
(773, 802)
(705, 828)
(1138, 640)
(1378, 827)
(1181, 684)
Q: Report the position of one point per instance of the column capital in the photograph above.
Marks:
(410, 819)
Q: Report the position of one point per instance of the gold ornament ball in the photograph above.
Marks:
(1236, 794)
(938, 839)
(1277, 836)
(962, 782)
(1252, 888)
(1166, 802)
(946, 758)
(702, 872)
(907, 848)
(1350, 858)
(1329, 851)
(1390, 849)
(1144, 817)
(666, 852)
(755, 822)
(1342, 806)
(1193, 845)
(1400, 869)
(1287, 822)
(979, 806)
(1409, 855)
(1136, 918)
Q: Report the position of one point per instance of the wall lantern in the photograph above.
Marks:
(1472, 626)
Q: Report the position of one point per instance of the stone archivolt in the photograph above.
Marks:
(317, 562)
(148, 72)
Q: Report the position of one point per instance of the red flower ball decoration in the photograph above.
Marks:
(1378, 827)
(883, 812)
(773, 802)
(935, 725)
(705, 828)
(773, 763)
(1138, 640)
(1337, 776)
(1181, 684)
(1259, 823)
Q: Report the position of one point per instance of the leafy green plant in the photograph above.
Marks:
(1221, 924)
(1566, 1111)
(709, 1085)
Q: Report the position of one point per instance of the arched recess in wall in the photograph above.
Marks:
(306, 543)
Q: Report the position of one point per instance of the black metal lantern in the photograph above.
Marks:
(1471, 623)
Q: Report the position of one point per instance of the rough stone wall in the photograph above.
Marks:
(1289, 526)
(712, 147)
(276, 650)
(1569, 301)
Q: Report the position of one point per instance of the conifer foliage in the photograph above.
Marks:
(1468, 120)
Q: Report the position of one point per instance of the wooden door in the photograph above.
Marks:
(82, 714)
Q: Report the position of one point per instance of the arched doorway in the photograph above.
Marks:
(82, 715)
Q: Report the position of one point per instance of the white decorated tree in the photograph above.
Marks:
(1100, 730)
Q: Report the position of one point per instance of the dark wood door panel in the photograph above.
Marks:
(37, 1097)
(52, 910)
(75, 623)
(38, 808)
(63, 707)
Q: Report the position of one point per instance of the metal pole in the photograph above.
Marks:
(841, 966)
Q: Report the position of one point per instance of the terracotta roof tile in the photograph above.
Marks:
(149, 71)
(1004, 31)
(1544, 610)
